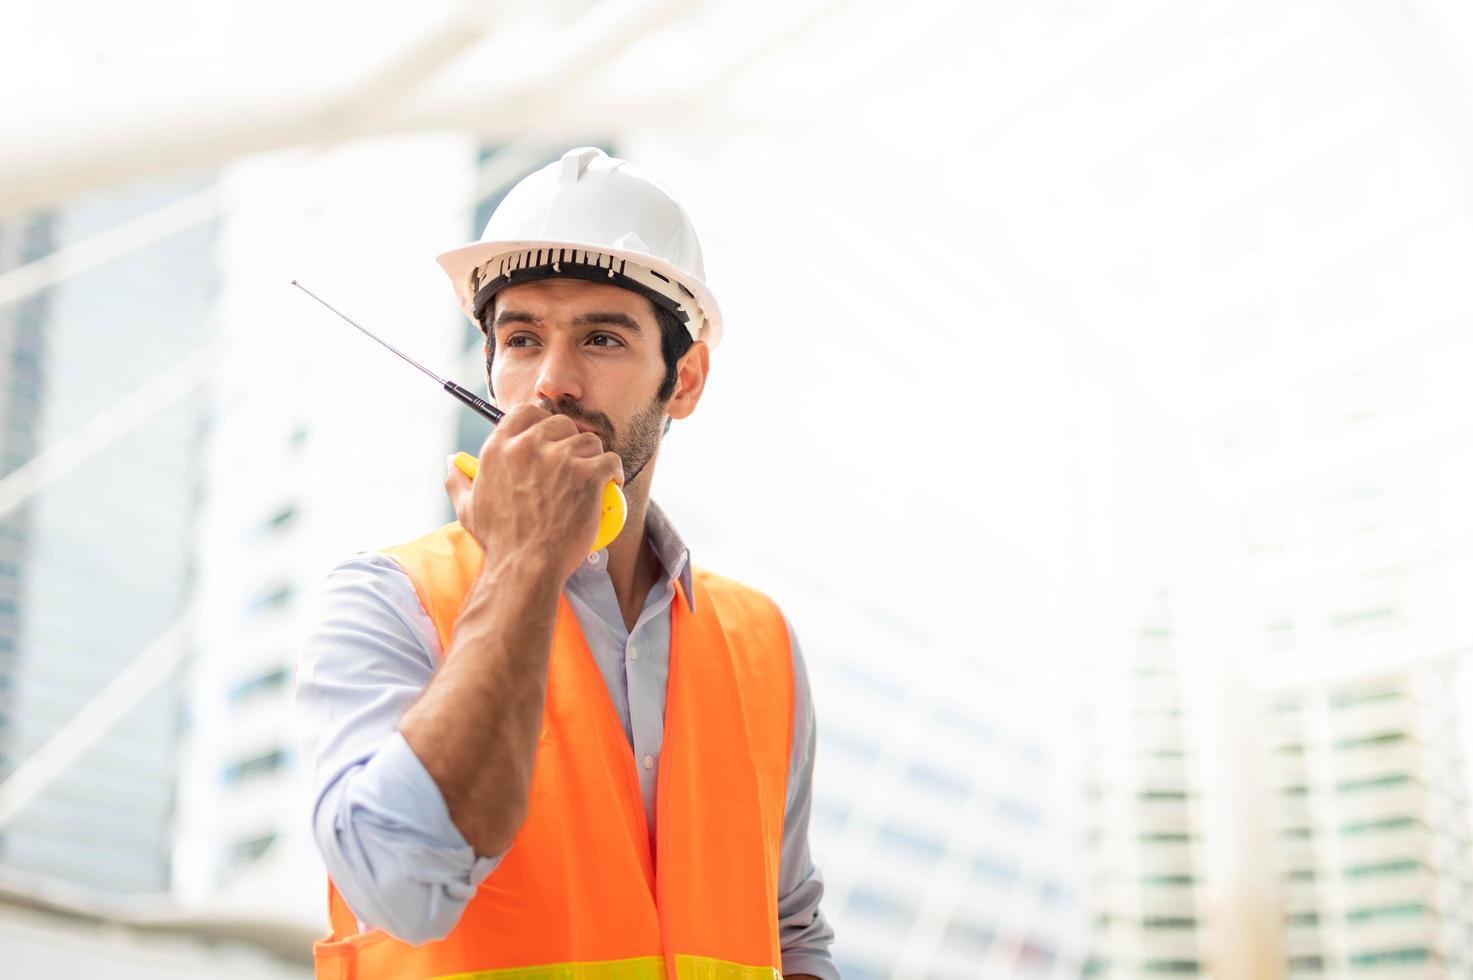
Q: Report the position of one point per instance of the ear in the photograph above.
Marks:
(690, 380)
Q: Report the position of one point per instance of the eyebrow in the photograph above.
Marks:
(606, 317)
(609, 319)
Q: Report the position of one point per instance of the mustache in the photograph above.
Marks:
(576, 412)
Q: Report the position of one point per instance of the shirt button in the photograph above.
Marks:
(593, 558)
(649, 762)
(633, 653)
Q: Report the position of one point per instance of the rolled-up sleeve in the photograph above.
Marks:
(804, 934)
(380, 821)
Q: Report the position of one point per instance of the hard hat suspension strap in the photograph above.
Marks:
(534, 264)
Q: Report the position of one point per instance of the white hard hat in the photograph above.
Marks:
(596, 217)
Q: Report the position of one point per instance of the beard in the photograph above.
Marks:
(635, 445)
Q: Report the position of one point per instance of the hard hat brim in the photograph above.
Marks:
(460, 263)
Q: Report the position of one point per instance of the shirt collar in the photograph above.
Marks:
(668, 546)
(670, 549)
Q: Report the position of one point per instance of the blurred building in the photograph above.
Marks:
(323, 444)
(1371, 817)
(947, 831)
(21, 349)
(935, 596)
(1146, 828)
(1315, 544)
(108, 548)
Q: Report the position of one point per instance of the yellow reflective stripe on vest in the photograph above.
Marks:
(710, 968)
(637, 968)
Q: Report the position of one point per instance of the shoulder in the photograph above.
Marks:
(741, 609)
(443, 565)
(367, 577)
(367, 613)
(448, 543)
(726, 591)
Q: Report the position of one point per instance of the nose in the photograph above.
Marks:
(558, 374)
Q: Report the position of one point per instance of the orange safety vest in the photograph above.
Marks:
(579, 896)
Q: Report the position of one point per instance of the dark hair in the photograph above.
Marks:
(675, 340)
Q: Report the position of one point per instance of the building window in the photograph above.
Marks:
(1409, 910)
(1374, 782)
(971, 937)
(1167, 880)
(937, 782)
(1411, 954)
(250, 850)
(879, 905)
(1378, 826)
(1350, 699)
(1169, 922)
(1365, 741)
(1383, 869)
(986, 868)
(260, 684)
(912, 844)
(254, 766)
(273, 598)
(283, 518)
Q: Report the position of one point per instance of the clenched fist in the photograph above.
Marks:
(535, 501)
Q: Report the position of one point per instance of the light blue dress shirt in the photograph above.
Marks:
(379, 819)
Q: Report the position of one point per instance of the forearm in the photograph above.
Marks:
(475, 727)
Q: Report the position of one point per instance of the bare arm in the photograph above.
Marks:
(534, 509)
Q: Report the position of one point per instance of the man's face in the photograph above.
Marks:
(587, 350)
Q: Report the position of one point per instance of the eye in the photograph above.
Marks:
(612, 341)
(515, 340)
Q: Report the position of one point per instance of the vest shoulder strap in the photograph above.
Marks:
(443, 565)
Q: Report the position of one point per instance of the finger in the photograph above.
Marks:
(520, 419)
(609, 466)
(585, 445)
(554, 428)
(455, 478)
(458, 488)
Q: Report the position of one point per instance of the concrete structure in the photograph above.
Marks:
(48, 928)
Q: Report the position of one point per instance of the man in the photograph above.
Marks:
(531, 761)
